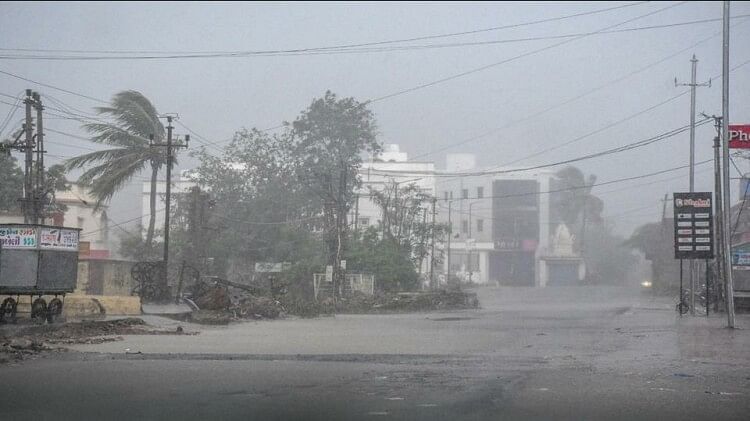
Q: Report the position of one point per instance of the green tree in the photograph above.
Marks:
(573, 202)
(328, 140)
(135, 121)
(260, 211)
(405, 220)
(11, 189)
(384, 258)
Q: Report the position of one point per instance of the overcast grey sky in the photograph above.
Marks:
(216, 96)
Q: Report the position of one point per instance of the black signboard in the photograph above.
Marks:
(693, 226)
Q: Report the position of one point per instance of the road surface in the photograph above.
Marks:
(557, 353)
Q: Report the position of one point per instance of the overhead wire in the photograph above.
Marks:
(619, 149)
(519, 56)
(406, 48)
(351, 45)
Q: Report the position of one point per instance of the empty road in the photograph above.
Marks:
(557, 353)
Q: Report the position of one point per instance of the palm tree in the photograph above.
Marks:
(573, 202)
(135, 121)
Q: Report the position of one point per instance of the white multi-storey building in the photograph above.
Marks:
(503, 226)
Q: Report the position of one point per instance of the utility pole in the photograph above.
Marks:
(356, 214)
(432, 252)
(29, 151)
(468, 248)
(169, 191)
(40, 194)
(450, 234)
(719, 246)
(729, 284)
(692, 85)
(422, 245)
(168, 198)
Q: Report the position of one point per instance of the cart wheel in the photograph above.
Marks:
(54, 310)
(39, 310)
(8, 308)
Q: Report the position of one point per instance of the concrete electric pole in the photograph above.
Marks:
(169, 145)
(692, 85)
(729, 283)
(28, 204)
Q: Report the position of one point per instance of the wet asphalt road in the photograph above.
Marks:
(565, 353)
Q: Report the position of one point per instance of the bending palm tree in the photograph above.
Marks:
(135, 121)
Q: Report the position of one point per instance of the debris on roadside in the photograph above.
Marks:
(407, 302)
(221, 302)
(20, 342)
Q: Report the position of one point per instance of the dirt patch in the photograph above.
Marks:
(21, 342)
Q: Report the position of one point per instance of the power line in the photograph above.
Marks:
(627, 147)
(345, 46)
(52, 87)
(526, 54)
(583, 186)
(583, 136)
(12, 112)
(287, 53)
(573, 99)
(289, 222)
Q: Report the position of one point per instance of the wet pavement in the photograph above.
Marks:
(555, 353)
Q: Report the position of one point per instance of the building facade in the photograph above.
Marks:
(391, 168)
(504, 229)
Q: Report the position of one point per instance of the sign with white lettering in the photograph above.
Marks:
(693, 228)
(58, 239)
(739, 136)
(18, 237)
(268, 267)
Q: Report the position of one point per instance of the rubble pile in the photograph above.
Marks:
(221, 303)
(211, 297)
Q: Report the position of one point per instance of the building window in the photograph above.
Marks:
(480, 225)
(480, 192)
(464, 227)
(451, 195)
(446, 195)
(465, 193)
(364, 222)
(80, 222)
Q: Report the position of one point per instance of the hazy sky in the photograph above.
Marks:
(216, 96)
